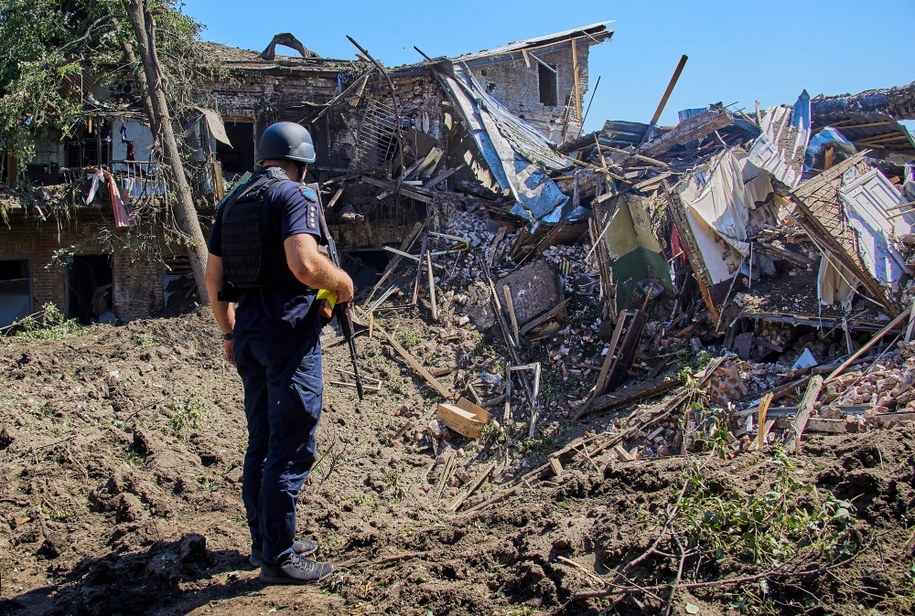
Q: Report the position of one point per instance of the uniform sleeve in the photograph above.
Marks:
(300, 213)
(215, 243)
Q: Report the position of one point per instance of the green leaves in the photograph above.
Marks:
(54, 54)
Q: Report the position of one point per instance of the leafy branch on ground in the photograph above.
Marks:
(719, 534)
(48, 324)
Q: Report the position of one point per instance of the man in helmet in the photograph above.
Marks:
(263, 254)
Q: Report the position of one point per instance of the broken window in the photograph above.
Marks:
(178, 288)
(88, 147)
(548, 94)
(15, 290)
(89, 282)
(238, 157)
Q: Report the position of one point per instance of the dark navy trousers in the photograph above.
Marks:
(283, 386)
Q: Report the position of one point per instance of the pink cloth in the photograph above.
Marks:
(122, 218)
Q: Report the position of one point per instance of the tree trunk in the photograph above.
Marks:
(185, 213)
(140, 76)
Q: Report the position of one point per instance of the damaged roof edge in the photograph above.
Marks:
(594, 34)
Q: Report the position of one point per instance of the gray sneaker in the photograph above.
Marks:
(304, 547)
(295, 570)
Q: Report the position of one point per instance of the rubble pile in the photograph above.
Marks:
(615, 269)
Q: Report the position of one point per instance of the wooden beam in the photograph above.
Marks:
(575, 79)
(333, 200)
(431, 286)
(626, 397)
(483, 476)
(793, 440)
(670, 88)
(910, 331)
(444, 175)
(418, 367)
(510, 304)
(407, 243)
(761, 412)
(838, 371)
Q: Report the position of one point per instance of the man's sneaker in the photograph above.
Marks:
(305, 547)
(295, 570)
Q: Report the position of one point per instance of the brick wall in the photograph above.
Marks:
(136, 277)
(517, 86)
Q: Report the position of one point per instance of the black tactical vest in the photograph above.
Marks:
(246, 226)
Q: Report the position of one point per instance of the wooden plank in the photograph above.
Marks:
(419, 268)
(483, 476)
(670, 88)
(556, 465)
(626, 397)
(887, 418)
(405, 245)
(895, 322)
(506, 290)
(761, 412)
(609, 360)
(491, 253)
(628, 349)
(911, 329)
(406, 191)
(546, 316)
(418, 367)
(431, 287)
(793, 440)
(446, 473)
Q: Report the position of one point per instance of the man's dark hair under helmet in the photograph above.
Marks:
(286, 140)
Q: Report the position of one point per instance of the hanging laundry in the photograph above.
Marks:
(97, 178)
(122, 217)
(123, 133)
(131, 151)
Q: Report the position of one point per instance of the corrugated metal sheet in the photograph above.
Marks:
(516, 153)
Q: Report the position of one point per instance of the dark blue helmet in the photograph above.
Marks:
(286, 140)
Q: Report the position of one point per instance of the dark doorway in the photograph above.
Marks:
(89, 283)
(239, 157)
(15, 290)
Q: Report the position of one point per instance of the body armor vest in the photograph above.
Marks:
(246, 227)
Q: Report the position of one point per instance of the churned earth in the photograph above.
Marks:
(120, 466)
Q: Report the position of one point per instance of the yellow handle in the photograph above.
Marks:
(329, 299)
(330, 296)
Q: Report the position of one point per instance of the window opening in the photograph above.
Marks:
(548, 94)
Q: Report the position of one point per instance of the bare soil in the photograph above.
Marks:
(120, 461)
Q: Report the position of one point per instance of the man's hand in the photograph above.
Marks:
(346, 290)
(229, 349)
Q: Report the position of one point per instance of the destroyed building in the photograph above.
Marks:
(85, 236)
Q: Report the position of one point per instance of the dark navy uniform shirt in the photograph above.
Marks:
(281, 314)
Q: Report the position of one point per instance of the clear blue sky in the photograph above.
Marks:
(738, 51)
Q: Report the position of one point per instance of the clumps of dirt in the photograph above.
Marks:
(121, 451)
